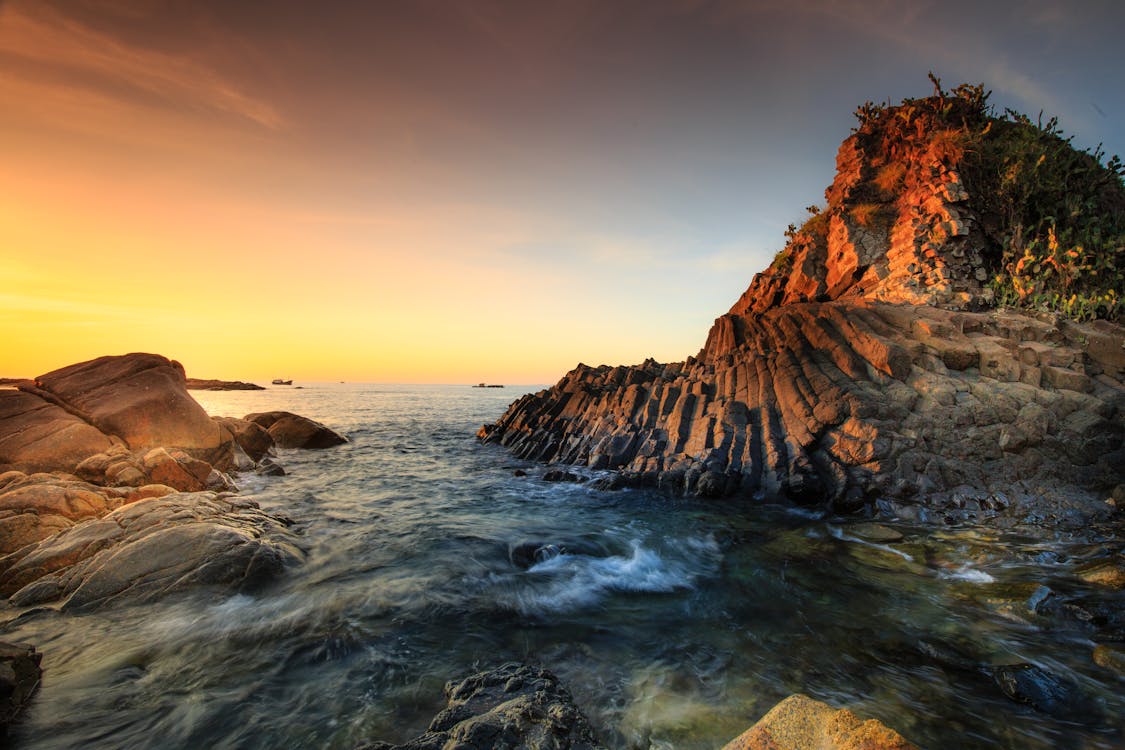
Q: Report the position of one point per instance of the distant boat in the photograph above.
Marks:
(279, 381)
(487, 385)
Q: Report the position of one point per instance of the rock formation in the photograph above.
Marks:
(867, 367)
(200, 384)
(150, 548)
(19, 679)
(294, 431)
(801, 723)
(512, 706)
(113, 484)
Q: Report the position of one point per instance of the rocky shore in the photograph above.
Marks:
(868, 369)
(116, 485)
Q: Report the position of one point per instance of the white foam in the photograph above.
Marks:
(966, 573)
(573, 581)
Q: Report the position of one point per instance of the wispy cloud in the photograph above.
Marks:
(57, 50)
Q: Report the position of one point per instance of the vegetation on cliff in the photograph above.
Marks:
(1046, 219)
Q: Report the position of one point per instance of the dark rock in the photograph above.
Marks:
(558, 475)
(513, 706)
(199, 384)
(526, 554)
(293, 431)
(19, 679)
(254, 439)
(270, 468)
(1043, 691)
(519, 473)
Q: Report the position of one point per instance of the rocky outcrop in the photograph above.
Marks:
(801, 723)
(37, 506)
(151, 548)
(293, 431)
(865, 368)
(199, 384)
(19, 679)
(513, 706)
(853, 403)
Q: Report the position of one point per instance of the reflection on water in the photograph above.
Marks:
(675, 624)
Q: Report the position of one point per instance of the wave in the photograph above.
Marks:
(561, 581)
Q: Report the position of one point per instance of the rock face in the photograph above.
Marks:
(801, 723)
(150, 548)
(19, 678)
(293, 431)
(513, 706)
(863, 368)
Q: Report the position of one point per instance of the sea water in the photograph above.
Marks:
(674, 623)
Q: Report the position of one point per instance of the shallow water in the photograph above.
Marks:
(675, 624)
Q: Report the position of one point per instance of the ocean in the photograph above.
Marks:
(674, 623)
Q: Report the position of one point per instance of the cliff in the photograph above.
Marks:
(927, 343)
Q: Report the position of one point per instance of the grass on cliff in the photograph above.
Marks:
(1052, 216)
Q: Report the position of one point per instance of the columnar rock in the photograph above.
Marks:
(865, 367)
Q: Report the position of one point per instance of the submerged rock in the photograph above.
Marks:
(1044, 691)
(293, 431)
(19, 679)
(512, 706)
(801, 723)
(151, 548)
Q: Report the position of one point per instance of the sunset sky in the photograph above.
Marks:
(455, 191)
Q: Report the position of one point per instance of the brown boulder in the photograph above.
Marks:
(290, 430)
(36, 435)
(252, 438)
(140, 398)
(801, 723)
(38, 506)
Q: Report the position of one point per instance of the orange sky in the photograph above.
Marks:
(417, 192)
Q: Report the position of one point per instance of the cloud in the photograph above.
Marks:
(59, 51)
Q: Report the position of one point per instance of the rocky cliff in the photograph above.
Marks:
(871, 364)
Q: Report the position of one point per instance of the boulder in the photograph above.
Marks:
(254, 440)
(801, 723)
(512, 706)
(19, 679)
(36, 435)
(290, 430)
(151, 548)
(36, 506)
(140, 398)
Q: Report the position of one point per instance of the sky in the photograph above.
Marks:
(448, 192)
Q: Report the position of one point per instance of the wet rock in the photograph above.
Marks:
(270, 468)
(1108, 573)
(1111, 658)
(19, 679)
(519, 473)
(151, 548)
(254, 440)
(513, 706)
(1043, 691)
(875, 532)
(290, 430)
(558, 475)
(801, 723)
(526, 554)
